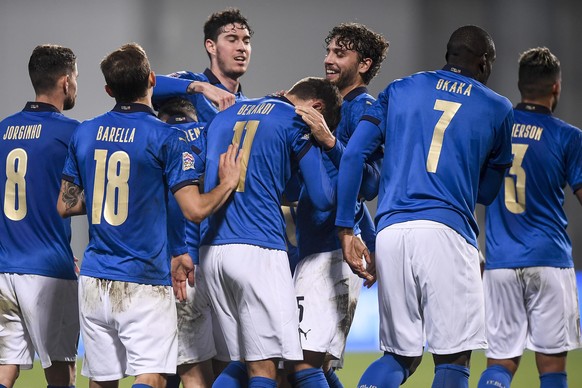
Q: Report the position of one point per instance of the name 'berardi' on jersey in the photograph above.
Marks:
(116, 135)
(22, 132)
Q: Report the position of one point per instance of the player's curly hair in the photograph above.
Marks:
(216, 21)
(539, 70)
(367, 43)
(47, 63)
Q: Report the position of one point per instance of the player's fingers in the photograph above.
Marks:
(191, 278)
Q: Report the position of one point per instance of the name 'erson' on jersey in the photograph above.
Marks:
(439, 133)
(526, 224)
(272, 138)
(34, 239)
(126, 160)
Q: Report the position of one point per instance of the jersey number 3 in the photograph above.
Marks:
(515, 188)
(110, 188)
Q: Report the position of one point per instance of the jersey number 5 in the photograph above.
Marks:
(15, 188)
(449, 110)
(111, 189)
(246, 129)
(515, 188)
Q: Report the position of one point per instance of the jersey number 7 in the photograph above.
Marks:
(449, 110)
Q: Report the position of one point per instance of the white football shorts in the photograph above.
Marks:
(428, 282)
(128, 329)
(534, 308)
(327, 294)
(251, 290)
(37, 313)
(195, 338)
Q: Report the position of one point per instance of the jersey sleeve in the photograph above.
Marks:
(176, 227)
(179, 162)
(574, 160)
(71, 168)
(501, 156)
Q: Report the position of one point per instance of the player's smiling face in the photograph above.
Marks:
(232, 50)
(341, 66)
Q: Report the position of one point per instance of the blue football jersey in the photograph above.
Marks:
(33, 147)
(176, 85)
(273, 139)
(526, 224)
(316, 231)
(189, 235)
(126, 160)
(439, 129)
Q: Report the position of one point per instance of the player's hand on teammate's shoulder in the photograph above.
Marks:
(318, 126)
(182, 269)
(357, 255)
(229, 168)
(220, 97)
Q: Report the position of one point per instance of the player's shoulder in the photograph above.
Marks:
(189, 75)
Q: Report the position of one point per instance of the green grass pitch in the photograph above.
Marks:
(356, 363)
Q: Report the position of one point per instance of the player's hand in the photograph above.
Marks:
(319, 128)
(77, 269)
(371, 268)
(182, 270)
(219, 97)
(229, 168)
(355, 254)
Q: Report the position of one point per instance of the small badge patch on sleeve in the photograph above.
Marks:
(187, 161)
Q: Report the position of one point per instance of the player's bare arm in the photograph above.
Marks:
(354, 250)
(220, 97)
(319, 128)
(71, 200)
(182, 270)
(196, 206)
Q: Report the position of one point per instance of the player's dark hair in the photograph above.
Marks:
(215, 23)
(466, 48)
(539, 70)
(127, 71)
(177, 106)
(367, 43)
(321, 89)
(47, 64)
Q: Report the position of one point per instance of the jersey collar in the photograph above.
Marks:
(215, 81)
(179, 119)
(459, 70)
(533, 108)
(33, 106)
(355, 93)
(132, 107)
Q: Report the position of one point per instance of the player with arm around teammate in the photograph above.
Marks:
(243, 252)
(119, 168)
(38, 284)
(324, 283)
(529, 279)
(447, 146)
(227, 40)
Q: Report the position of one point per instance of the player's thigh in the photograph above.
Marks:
(552, 307)
(401, 326)
(327, 294)
(17, 347)
(195, 336)
(51, 312)
(506, 318)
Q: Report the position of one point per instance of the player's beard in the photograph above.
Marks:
(229, 72)
(346, 78)
(69, 102)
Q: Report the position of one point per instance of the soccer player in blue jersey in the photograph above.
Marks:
(195, 339)
(227, 40)
(118, 170)
(243, 251)
(447, 145)
(38, 284)
(529, 279)
(327, 290)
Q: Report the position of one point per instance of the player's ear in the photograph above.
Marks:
(364, 65)
(152, 79)
(317, 105)
(64, 81)
(109, 91)
(210, 46)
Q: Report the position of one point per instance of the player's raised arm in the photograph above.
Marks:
(71, 200)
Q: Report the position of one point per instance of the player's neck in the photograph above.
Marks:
(345, 91)
(229, 83)
(546, 102)
(57, 102)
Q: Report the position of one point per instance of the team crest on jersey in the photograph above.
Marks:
(187, 161)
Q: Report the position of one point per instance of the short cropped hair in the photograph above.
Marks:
(49, 62)
(215, 23)
(367, 43)
(177, 106)
(539, 70)
(321, 89)
(127, 71)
